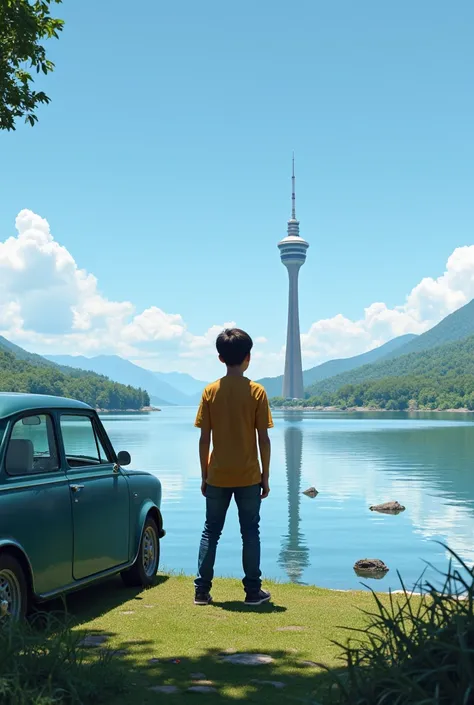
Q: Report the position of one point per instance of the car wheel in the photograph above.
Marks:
(143, 571)
(13, 589)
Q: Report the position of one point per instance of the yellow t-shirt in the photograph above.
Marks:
(233, 408)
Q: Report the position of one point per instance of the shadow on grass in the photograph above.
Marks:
(92, 602)
(149, 679)
(236, 606)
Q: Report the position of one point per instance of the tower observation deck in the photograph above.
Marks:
(293, 256)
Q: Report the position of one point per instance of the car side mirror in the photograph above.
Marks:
(124, 458)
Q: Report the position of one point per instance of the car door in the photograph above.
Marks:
(100, 497)
(35, 500)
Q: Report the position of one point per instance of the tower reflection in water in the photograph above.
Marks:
(294, 554)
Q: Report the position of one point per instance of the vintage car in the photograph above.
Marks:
(70, 514)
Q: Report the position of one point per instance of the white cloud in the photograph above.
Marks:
(50, 305)
(154, 324)
(201, 345)
(427, 303)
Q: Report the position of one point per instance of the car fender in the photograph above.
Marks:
(148, 508)
(17, 551)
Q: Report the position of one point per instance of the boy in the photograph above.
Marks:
(233, 410)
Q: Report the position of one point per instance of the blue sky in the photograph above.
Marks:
(163, 165)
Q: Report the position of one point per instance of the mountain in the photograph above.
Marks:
(126, 372)
(273, 385)
(20, 354)
(440, 378)
(456, 326)
(21, 371)
(182, 382)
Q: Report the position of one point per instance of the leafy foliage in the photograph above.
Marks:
(433, 379)
(415, 652)
(24, 24)
(98, 391)
(46, 665)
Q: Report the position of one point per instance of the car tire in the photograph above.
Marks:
(13, 588)
(143, 572)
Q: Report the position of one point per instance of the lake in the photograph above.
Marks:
(354, 460)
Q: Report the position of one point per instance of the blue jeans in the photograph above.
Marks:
(248, 502)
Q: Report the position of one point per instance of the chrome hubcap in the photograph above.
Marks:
(150, 552)
(10, 594)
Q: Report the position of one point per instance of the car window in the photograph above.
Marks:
(81, 442)
(32, 446)
(3, 425)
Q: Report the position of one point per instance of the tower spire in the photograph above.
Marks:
(293, 194)
(293, 224)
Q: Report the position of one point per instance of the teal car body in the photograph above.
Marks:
(70, 512)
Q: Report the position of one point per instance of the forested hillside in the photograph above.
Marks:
(20, 354)
(442, 378)
(456, 326)
(274, 385)
(20, 375)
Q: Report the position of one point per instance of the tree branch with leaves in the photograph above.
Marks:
(24, 26)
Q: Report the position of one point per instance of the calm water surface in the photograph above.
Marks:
(426, 463)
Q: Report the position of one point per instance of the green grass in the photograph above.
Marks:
(163, 624)
(415, 652)
(42, 663)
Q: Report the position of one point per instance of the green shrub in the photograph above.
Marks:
(415, 651)
(48, 666)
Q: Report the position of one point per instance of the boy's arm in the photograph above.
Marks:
(204, 447)
(203, 421)
(265, 452)
(263, 422)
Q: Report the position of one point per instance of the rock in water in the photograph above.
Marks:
(388, 508)
(370, 568)
(311, 492)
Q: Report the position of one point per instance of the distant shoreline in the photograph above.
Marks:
(143, 410)
(370, 410)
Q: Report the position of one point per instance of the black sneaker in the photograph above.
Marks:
(257, 598)
(202, 597)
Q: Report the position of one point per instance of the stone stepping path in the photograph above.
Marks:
(275, 684)
(308, 664)
(93, 640)
(202, 689)
(200, 684)
(248, 659)
(165, 689)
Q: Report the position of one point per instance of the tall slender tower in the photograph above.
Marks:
(293, 255)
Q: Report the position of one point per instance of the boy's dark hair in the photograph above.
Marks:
(233, 346)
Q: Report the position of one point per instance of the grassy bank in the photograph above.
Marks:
(124, 647)
(162, 639)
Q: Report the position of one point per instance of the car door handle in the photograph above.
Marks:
(77, 488)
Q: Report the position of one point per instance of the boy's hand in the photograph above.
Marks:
(203, 487)
(265, 488)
